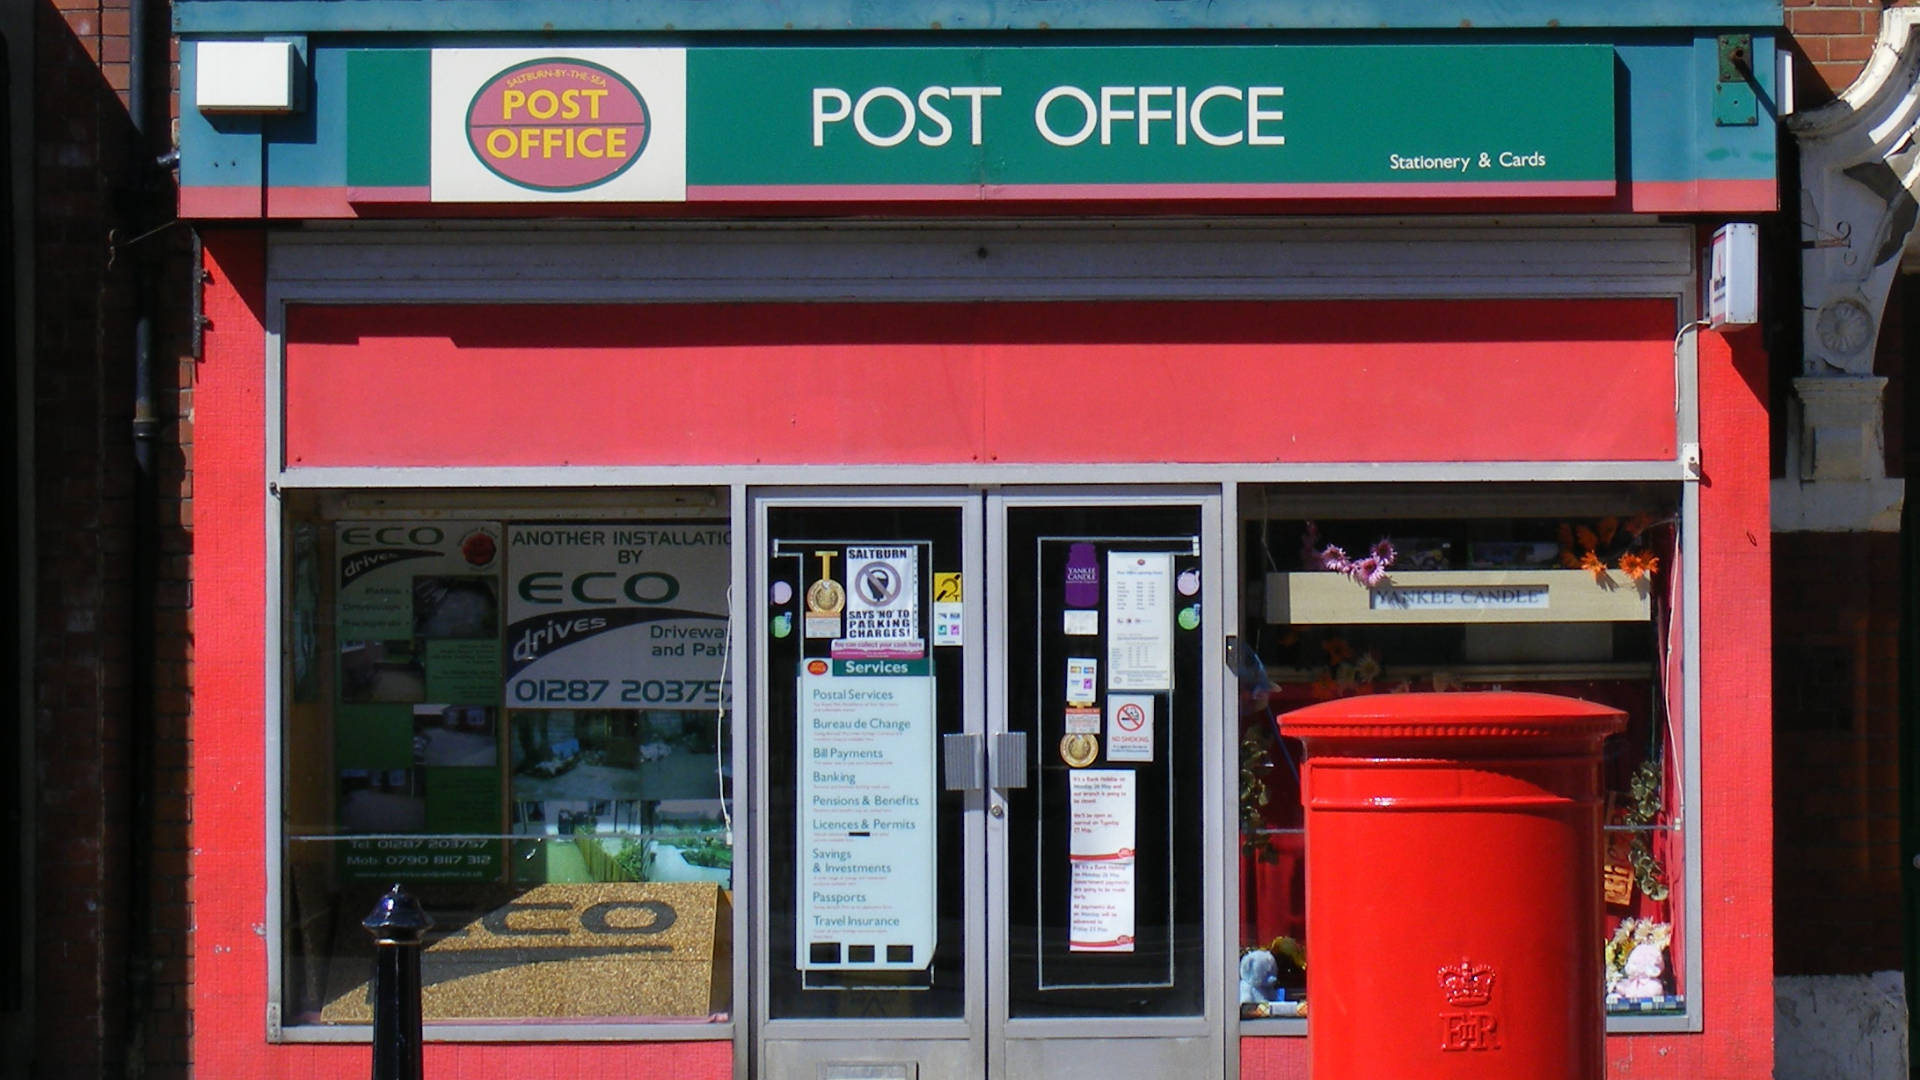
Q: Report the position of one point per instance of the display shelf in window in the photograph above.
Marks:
(1310, 597)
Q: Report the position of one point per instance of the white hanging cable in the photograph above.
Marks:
(720, 721)
(1681, 335)
(1679, 339)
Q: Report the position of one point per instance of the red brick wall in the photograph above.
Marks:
(91, 243)
(1837, 899)
(1831, 40)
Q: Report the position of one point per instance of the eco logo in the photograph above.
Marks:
(557, 124)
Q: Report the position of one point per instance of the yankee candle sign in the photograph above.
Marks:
(1161, 122)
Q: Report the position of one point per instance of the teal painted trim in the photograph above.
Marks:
(391, 84)
(427, 16)
(1668, 127)
(216, 151)
(309, 147)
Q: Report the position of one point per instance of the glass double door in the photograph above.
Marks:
(988, 798)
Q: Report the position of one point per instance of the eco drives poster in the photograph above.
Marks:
(622, 618)
(616, 651)
(616, 615)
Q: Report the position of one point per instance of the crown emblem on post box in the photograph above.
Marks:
(1467, 984)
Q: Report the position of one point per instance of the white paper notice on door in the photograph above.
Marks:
(1101, 847)
(1139, 620)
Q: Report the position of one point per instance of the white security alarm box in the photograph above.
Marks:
(244, 76)
(1733, 276)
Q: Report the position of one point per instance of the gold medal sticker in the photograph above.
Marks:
(1079, 750)
(826, 597)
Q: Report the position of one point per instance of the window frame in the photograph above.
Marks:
(1254, 502)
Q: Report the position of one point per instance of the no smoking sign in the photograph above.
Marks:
(1129, 727)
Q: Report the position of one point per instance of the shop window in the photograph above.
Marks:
(522, 716)
(1568, 590)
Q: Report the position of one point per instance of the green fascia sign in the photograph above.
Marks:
(1055, 123)
(1304, 121)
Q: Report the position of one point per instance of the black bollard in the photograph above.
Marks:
(396, 924)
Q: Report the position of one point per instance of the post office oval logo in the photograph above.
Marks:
(557, 124)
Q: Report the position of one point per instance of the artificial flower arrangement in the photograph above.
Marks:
(1369, 569)
(1643, 809)
(1347, 673)
(1609, 543)
(1255, 760)
(1598, 547)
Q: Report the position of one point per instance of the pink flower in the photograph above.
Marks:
(1369, 571)
(1385, 553)
(1335, 558)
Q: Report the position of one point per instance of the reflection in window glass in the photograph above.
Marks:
(1577, 600)
(523, 722)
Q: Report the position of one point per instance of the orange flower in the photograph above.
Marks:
(1586, 538)
(1325, 689)
(1592, 562)
(1338, 651)
(1568, 558)
(1608, 526)
(1639, 564)
(1638, 523)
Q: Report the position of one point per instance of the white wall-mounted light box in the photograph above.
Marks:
(244, 76)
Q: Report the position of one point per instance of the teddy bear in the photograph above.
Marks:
(1639, 976)
(1259, 977)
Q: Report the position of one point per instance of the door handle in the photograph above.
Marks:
(1010, 760)
(962, 769)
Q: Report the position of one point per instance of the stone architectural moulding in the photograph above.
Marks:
(1859, 175)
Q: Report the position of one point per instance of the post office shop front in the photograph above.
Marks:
(790, 544)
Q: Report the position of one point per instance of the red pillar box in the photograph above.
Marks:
(1453, 885)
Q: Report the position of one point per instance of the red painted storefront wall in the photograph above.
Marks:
(390, 385)
(841, 384)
